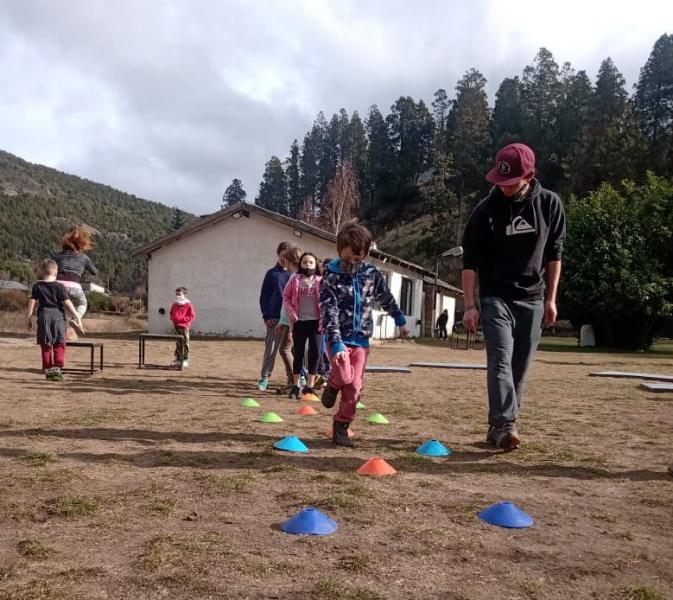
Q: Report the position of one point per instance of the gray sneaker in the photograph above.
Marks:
(505, 437)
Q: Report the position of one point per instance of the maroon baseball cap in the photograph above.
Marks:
(512, 164)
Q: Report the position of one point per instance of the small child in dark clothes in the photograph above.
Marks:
(52, 301)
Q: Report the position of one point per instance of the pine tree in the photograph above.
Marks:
(178, 220)
(379, 161)
(440, 112)
(577, 95)
(356, 151)
(411, 131)
(308, 168)
(292, 175)
(654, 105)
(233, 194)
(469, 137)
(542, 92)
(611, 143)
(272, 189)
(509, 114)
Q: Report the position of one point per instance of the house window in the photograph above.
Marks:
(407, 296)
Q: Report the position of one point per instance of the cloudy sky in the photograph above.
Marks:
(171, 99)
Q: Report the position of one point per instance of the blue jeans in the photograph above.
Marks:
(512, 330)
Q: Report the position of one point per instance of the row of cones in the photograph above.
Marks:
(310, 521)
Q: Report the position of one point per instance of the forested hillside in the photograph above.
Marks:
(40, 204)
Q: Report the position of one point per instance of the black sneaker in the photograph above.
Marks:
(308, 390)
(294, 393)
(329, 396)
(507, 437)
(340, 435)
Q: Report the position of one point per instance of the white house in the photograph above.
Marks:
(222, 258)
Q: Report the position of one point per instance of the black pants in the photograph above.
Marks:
(302, 332)
(443, 333)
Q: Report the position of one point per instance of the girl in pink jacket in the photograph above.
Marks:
(300, 300)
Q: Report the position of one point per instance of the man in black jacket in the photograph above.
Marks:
(513, 243)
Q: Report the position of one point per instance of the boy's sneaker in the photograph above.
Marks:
(176, 363)
(262, 384)
(281, 391)
(185, 363)
(329, 396)
(294, 393)
(490, 436)
(319, 382)
(55, 375)
(506, 437)
(340, 435)
(308, 390)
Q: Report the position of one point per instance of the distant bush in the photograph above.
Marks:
(13, 300)
(99, 302)
(119, 303)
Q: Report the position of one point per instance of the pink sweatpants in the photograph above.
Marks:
(347, 377)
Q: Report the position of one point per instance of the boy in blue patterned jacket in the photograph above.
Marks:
(349, 289)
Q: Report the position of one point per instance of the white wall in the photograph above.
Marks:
(223, 267)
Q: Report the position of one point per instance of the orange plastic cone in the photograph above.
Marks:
(304, 411)
(376, 467)
(310, 398)
(330, 432)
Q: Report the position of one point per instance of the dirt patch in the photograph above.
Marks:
(157, 484)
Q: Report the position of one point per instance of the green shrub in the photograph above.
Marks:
(98, 302)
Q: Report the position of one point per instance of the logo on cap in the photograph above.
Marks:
(504, 168)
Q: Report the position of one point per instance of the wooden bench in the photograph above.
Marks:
(142, 339)
(92, 346)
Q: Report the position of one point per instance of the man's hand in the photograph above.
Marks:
(278, 329)
(293, 318)
(550, 313)
(339, 357)
(270, 323)
(404, 331)
(471, 319)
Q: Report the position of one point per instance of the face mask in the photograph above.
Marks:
(307, 272)
(179, 298)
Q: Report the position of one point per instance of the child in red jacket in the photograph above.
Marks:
(182, 315)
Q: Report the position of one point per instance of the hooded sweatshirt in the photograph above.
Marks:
(347, 302)
(183, 313)
(293, 292)
(508, 242)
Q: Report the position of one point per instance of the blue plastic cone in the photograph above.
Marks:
(309, 521)
(291, 443)
(506, 514)
(433, 448)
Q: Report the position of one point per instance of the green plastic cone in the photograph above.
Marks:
(250, 403)
(360, 406)
(270, 417)
(377, 419)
